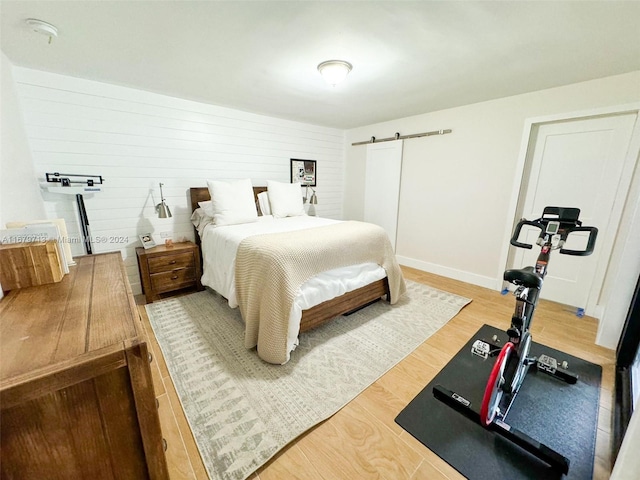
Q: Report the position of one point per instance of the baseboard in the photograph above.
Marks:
(473, 278)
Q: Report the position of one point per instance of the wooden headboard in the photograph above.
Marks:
(201, 194)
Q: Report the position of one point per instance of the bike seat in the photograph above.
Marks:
(526, 277)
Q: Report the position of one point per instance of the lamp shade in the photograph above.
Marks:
(162, 208)
(334, 71)
(313, 201)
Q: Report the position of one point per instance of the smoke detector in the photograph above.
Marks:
(44, 28)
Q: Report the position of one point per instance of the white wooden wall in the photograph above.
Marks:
(136, 139)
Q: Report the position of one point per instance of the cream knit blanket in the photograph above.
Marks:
(270, 269)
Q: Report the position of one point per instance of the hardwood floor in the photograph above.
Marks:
(362, 440)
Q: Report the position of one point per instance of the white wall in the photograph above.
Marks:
(19, 197)
(456, 188)
(19, 192)
(136, 139)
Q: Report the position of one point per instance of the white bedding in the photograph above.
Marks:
(220, 245)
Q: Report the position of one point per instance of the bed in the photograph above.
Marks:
(349, 296)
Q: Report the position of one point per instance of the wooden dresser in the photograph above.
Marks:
(76, 394)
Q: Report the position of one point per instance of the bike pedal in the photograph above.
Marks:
(547, 364)
(560, 371)
(481, 349)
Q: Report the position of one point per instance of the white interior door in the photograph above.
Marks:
(382, 186)
(579, 164)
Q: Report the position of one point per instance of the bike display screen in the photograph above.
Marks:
(552, 228)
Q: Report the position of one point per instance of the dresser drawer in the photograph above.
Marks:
(166, 263)
(168, 281)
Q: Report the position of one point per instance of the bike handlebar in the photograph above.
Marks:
(591, 242)
(516, 233)
(567, 226)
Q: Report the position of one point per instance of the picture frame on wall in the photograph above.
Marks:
(303, 172)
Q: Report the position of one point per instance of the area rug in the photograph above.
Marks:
(241, 410)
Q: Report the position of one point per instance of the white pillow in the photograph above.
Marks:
(263, 201)
(285, 199)
(232, 202)
(207, 207)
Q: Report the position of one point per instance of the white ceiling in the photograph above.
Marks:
(408, 57)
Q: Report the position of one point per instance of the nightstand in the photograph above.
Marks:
(167, 269)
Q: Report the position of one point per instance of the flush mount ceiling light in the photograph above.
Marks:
(334, 71)
(44, 28)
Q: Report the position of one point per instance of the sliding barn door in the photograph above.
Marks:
(382, 186)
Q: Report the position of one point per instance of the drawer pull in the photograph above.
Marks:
(164, 444)
(172, 262)
(150, 357)
(175, 277)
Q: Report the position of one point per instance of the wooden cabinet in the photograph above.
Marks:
(76, 394)
(167, 269)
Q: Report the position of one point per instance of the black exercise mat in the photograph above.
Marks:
(564, 417)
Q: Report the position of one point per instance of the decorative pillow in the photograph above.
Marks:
(197, 216)
(263, 202)
(207, 207)
(200, 220)
(232, 202)
(285, 199)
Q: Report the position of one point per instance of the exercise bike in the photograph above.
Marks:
(513, 358)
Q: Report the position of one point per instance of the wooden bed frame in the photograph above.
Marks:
(315, 316)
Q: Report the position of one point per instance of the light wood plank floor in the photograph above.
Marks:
(362, 440)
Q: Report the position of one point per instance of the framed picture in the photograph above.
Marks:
(147, 240)
(303, 171)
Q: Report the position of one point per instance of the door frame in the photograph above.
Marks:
(609, 268)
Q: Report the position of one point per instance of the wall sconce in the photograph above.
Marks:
(162, 208)
(313, 201)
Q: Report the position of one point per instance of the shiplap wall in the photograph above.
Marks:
(136, 139)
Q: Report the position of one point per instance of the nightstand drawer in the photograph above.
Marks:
(165, 263)
(167, 281)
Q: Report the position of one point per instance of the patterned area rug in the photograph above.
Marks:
(242, 410)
